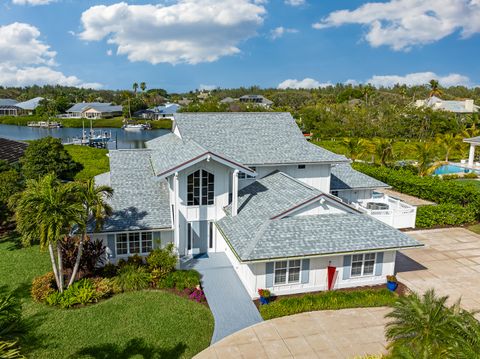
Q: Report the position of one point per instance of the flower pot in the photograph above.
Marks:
(263, 300)
(392, 286)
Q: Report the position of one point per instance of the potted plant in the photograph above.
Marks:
(392, 282)
(264, 296)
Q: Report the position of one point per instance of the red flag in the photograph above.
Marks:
(331, 276)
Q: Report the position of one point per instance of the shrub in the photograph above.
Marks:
(161, 262)
(135, 260)
(10, 350)
(450, 177)
(197, 295)
(81, 292)
(186, 279)
(43, 286)
(470, 175)
(103, 287)
(328, 300)
(109, 270)
(11, 325)
(131, 277)
(93, 254)
(444, 215)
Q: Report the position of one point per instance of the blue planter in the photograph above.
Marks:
(392, 286)
(263, 300)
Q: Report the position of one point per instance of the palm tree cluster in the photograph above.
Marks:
(425, 327)
(49, 210)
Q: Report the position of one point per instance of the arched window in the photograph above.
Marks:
(200, 188)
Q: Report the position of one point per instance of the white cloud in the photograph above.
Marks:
(419, 78)
(402, 24)
(71, 32)
(26, 60)
(204, 87)
(280, 31)
(32, 2)
(109, 52)
(187, 31)
(306, 83)
(295, 2)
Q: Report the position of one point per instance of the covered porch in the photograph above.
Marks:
(474, 142)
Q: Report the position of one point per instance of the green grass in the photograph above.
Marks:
(146, 324)
(475, 228)
(115, 122)
(94, 160)
(328, 300)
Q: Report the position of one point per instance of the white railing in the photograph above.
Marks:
(398, 215)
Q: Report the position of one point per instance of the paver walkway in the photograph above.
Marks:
(325, 334)
(231, 306)
(449, 263)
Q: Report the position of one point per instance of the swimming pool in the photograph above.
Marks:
(449, 169)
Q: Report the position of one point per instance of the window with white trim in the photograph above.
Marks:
(200, 188)
(242, 175)
(134, 243)
(287, 272)
(363, 264)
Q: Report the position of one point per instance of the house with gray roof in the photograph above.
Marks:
(9, 107)
(249, 186)
(94, 110)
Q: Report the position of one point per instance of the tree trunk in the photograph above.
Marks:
(54, 267)
(77, 260)
(60, 265)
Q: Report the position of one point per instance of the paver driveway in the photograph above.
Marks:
(231, 306)
(449, 263)
(328, 334)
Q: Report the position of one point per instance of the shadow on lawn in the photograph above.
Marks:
(134, 348)
(12, 238)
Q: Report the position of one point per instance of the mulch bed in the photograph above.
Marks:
(401, 291)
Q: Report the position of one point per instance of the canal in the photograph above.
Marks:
(121, 139)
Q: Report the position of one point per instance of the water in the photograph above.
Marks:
(450, 169)
(125, 139)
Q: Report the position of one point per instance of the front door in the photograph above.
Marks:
(198, 237)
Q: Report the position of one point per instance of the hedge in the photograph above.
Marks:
(445, 214)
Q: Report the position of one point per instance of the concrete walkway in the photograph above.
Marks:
(328, 334)
(229, 301)
(449, 263)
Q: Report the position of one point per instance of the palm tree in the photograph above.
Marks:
(143, 86)
(424, 327)
(135, 87)
(356, 147)
(382, 150)
(49, 209)
(435, 88)
(450, 143)
(427, 158)
(96, 210)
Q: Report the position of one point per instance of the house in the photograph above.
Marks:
(9, 107)
(164, 111)
(460, 107)
(94, 110)
(250, 186)
(10, 150)
(257, 100)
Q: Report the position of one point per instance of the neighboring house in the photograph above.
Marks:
(10, 150)
(94, 110)
(436, 103)
(165, 111)
(228, 100)
(251, 186)
(9, 107)
(184, 101)
(257, 100)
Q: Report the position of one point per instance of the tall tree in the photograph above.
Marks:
(46, 211)
(356, 147)
(382, 150)
(143, 86)
(427, 158)
(435, 88)
(96, 210)
(135, 87)
(449, 142)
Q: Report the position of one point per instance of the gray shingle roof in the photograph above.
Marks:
(253, 138)
(254, 235)
(140, 200)
(10, 150)
(343, 176)
(99, 106)
(31, 104)
(7, 102)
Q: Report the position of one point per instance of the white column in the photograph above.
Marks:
(234, 193)
(471, 155)
(176, 221)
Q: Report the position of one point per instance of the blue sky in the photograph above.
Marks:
(186, 44)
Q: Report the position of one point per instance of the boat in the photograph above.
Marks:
(92, 138)
(45, 124)
(136, 127)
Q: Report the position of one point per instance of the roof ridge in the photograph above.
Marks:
(261, 230)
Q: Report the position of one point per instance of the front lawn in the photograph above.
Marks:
(339, 299)
(94, 160)
(146, 324)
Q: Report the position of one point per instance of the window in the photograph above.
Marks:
(189, 236)
(134, 243)
(301, 167)
(363, 264)
(335, 193)
(287, 272)
(122, 244)
(210, 235)
(242, 175)
(200, 188)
